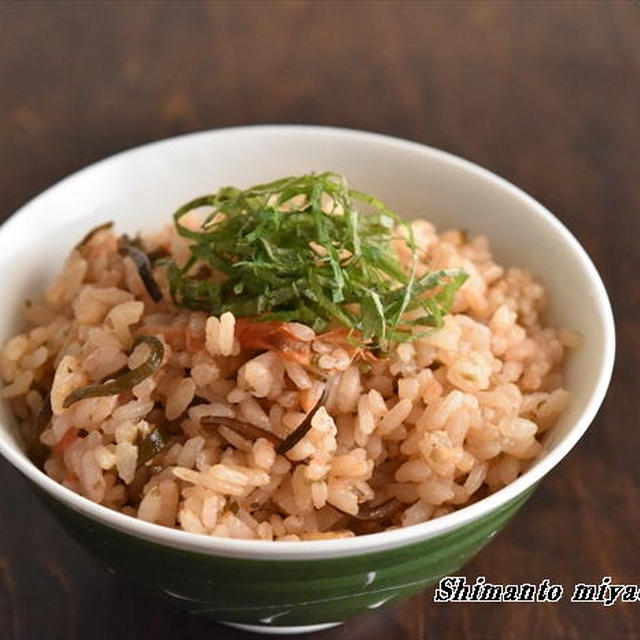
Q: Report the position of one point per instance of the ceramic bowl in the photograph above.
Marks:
(302, 586)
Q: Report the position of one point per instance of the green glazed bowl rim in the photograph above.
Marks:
(361, 544)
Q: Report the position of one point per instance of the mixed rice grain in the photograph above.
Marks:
(441, 422)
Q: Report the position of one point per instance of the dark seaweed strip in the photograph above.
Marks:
(158, 438)
(92, 232)
(37, 451)
(244, 429)
(368, 519)
(143, 265)
(382, 512)
(301, 431)
(152, 444)
(126, 380)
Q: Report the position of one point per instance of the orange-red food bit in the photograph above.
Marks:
(272, 336)
(67, 440)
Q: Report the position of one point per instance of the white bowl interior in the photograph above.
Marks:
(140, 189)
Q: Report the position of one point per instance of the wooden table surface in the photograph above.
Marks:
(545, 94)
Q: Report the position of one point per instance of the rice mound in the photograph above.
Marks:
(441, 423)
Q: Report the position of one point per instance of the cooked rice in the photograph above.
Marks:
(444, 421)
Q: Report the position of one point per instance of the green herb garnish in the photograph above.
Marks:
(298, 249)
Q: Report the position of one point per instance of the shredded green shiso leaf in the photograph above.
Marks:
(299, 249)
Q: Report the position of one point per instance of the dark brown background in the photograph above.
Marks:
(546, 94)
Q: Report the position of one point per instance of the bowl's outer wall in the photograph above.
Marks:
(283, 593)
